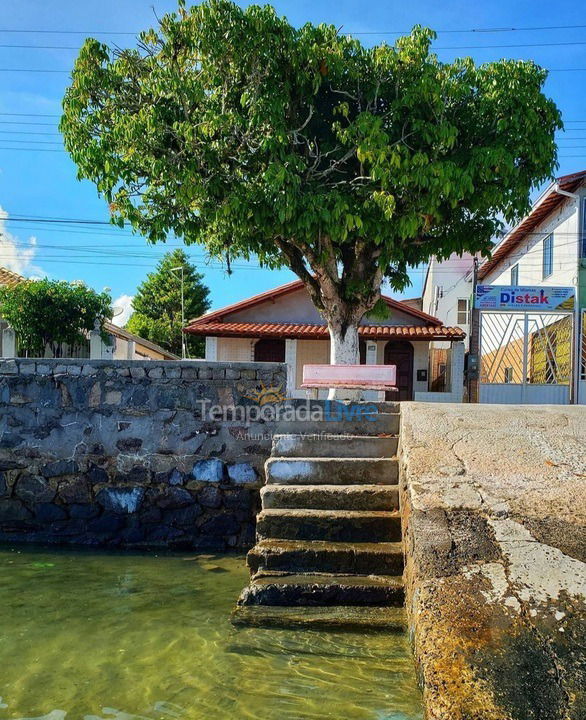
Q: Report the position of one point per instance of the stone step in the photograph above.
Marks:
(382, 423)
(352, 617)
(331, 525)
(323, 590)
(331, 471)
(384, 558)
(339, 446)
(331, 497)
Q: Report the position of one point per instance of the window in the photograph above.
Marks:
(508, 374)
(547, 256)
(515, 275)
(463, 311)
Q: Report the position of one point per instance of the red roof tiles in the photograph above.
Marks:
(320, 332)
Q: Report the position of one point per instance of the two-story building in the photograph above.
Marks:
(536, 356)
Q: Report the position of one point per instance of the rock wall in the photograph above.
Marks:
(124, 453)
(494, 523)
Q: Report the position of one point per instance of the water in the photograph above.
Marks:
(101, 636)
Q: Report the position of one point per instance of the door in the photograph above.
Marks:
(400, 353)
(269, 350)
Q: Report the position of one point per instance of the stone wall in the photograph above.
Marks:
(494, 526)
(120, 453)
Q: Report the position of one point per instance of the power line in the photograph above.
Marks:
(360, 32)
(448, 47)
(45, 70)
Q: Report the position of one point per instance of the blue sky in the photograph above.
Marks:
(38, 180)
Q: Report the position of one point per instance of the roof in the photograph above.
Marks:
(8, 278)
(125, 335)
(320, 332)
(547, 203)
(296, 285)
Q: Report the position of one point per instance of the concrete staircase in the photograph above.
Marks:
(329, 549)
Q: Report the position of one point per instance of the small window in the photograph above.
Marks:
(508, 374)
(547, 256)
(463, 311)
(515, 275)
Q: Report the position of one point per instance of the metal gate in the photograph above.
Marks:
(525, 357)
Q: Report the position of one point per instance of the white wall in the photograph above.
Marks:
(529, 255)
(296, 307)
(453, 277)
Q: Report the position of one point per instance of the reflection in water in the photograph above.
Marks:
(96, 636)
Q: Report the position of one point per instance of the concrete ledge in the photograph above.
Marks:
(494, 522)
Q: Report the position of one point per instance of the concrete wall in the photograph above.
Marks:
(494, 524)
(120, 453)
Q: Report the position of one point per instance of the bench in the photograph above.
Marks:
(350, 377)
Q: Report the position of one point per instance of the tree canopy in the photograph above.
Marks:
(236, 130)
(157, 304)
(53, 314)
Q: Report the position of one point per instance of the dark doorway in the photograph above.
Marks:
(269, 350)
(400, 353)
(362, 351)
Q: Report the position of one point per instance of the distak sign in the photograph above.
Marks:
(520, 297)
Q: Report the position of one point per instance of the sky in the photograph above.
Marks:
(38, 179)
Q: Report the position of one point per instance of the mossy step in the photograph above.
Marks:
(384, 558)
(343, 617)
(340, 446)
(332, 525)
(331, 471)
(331, 497)
(386, 423)
(323, 590)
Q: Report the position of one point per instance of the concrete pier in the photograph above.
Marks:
(493, 502)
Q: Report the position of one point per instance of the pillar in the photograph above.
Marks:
(211, 349)
(457, 371)
(291, 360)
(8, 343)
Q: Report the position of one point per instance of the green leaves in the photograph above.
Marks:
(53, 313)
(235, 130)
(157, 303)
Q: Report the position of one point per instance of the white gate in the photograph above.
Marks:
(525, 357)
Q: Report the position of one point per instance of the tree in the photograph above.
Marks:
(53, 313)
(348, 164)
(157, 304)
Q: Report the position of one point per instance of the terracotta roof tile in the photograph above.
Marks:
(9, 278)
(320, 332)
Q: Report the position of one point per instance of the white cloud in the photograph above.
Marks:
(17, 255)
(122, 309)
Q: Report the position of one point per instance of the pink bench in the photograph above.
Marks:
(351, 377)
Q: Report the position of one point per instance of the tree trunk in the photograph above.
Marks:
(343, 351)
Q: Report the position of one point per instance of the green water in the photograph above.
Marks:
(126, 637)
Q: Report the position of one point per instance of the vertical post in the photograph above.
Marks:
(291, 360)
(130, 347)
(8, 343)
(211, 349)
(525, 354)
(457, 371)
(473, 382)
(96, 345)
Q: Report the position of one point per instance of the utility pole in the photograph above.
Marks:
(183, 343)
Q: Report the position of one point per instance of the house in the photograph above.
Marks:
(122, 346)
(534, 356)
(282, 325)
